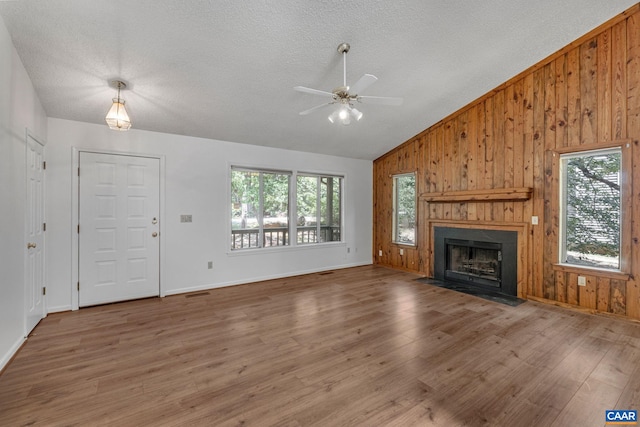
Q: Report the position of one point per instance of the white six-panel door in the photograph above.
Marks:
(34, 280)
(119, 241)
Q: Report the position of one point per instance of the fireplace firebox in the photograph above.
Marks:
(485, 259)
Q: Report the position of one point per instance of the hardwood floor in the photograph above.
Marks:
(362, 346)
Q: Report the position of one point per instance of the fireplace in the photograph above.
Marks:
(485, 259)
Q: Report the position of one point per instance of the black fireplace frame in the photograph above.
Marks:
(509, 266)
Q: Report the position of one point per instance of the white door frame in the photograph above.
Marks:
(43, 143)
(75, 199)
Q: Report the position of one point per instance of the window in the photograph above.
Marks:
(259, 208)
(260, 213)
(404, 209)
(590, 208)
(318, 201)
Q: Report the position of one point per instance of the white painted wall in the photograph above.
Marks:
(197, 172)
(19, 109)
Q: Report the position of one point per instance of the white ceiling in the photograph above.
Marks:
(226, 69)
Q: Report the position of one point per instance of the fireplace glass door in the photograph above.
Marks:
(474, 262)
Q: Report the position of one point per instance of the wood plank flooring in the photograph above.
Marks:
(362, 346)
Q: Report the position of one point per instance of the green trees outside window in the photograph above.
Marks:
(404, 209)
(259, 208)
(261, 214)
(319, 200)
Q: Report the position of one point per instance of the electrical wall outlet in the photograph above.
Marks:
(210, 265)
(348, 250)
(380, 252)
(401, 251)
(582, 281)
(534, 220)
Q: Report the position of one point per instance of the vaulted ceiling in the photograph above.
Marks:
(226, 69)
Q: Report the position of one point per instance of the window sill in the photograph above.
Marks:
(591, 271)
(407, 245)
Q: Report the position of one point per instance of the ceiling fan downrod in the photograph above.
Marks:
(343, 48)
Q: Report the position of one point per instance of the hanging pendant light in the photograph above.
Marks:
(117, 117)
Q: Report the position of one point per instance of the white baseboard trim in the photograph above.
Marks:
(184, 290)
(12, 351)
(58, 309)
(260, 279)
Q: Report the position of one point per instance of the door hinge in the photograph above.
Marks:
(44, 291)
(44, 226)
(78, 286)
(44, 165)
(78, 228)
(78, 171)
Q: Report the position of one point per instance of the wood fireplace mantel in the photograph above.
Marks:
(496, 195)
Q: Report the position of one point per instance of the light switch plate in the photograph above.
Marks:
(534, 220)
(582, 281)
(186, 218)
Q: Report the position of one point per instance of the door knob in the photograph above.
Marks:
(31, 245)
(154, 234)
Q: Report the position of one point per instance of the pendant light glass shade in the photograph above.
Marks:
(117, 117)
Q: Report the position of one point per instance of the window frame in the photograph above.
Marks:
(319, 177)
(394, 211)
(625, 149)
(292, 209)
(260, 211)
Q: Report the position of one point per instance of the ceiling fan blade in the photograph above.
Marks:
(364, 82)
(317, 107)
(312, 91)
(382, 100)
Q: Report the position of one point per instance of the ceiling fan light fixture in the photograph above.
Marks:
(355, 113)
(343, 114)
(334, 116)
(117, 117)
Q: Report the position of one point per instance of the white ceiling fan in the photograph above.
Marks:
(345, 96)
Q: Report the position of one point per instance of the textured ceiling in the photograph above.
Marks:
(226, 69)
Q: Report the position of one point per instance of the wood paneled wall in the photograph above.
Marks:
(587, 94)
